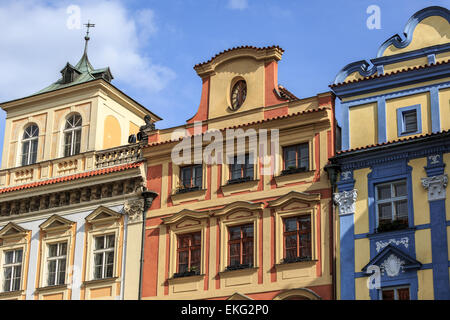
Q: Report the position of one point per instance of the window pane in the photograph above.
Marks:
(195, 258)
(235, 233)
(305, 223)
(17, 271)
(384, 192)
(198, 176)
(51, 266)
(196, 238)
(403, 294)
(400, 189)
(303, 160)
(290, 155)
(183, 257)
(109, 270)
(98, 272)
(62, 249)
(9, 256)
(77, 142)
(98, 259)
(290, 224)
(7, 285)
(25, 151)
(247, 231)
(388, 295)
(249, 171)
(401, 209)
(18, 256)
(385, 211)
(8, 273)
(291, 243)
(182, 267)
(235, 170)
(247, 253)
(305, 245)
(110, 241)
(51, 278)
(52, 250)
(16, 284)
(186, 174)
(99, 243)
(110, 257)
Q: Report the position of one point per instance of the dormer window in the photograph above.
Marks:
(69, 73)
(68, 76)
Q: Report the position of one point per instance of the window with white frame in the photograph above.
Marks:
(72, 135)
(30, 145)
(12, 270)
(104, 250)
(56, 264)
(392, 205)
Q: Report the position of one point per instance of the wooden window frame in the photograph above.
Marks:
(241, 241)
(395, 289)
(189, 249)
(298, 232)
(297, 158)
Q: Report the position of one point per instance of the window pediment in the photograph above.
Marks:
(186, 217)
(103, 214)
(12, 230)
(56, 222)
(295, 200)
(238, 206)
(393, 261)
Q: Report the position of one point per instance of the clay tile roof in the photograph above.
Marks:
(244, 125)
(286, 94)
(237, 48)
(72, 177)
(390, 73)
(393, 141)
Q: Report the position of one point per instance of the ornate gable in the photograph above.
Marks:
(393, 261)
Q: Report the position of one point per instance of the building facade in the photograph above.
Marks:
(392, 195)
(71, 199)
(255, 228)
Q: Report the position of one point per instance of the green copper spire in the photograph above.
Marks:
(82, 72)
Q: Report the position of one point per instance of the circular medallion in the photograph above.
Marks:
(238, 94)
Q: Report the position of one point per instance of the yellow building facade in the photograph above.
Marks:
(393, 200)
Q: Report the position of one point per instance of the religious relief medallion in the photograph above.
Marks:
(392, 265)
(134, 209)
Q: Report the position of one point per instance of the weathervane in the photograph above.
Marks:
(87, 25)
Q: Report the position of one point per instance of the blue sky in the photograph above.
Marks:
(152, 46)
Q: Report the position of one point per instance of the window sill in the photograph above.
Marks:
(11, 293)
(282, 265)
(177, 198)
(243, 270)
(293, 171)
(294, 177)
(50, 288)
(104, 280)
(187, 190)
(229, 189)
(192, 278)
(390, 233)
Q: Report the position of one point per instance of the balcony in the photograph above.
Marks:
(79, 163)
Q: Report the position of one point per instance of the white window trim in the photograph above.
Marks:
(103, 252)
(57, 258)
(390, 200)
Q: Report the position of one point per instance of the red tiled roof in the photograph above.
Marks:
(393, 141)
(237, 48)
(72, 177)
(286, 94)
(245, 125)
(390, 73)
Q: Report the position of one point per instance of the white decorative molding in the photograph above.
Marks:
(392, 266)
(346, 175)
(134, 209)
(346, 201)
(436, 186)
(434, 159)
(382, 244)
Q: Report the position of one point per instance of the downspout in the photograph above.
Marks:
(148, 199)
(332, 170)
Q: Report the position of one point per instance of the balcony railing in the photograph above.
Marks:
(79, 163)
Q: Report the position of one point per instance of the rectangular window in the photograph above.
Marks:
(400, 293)
(392, 205)
(409, 121)
(189, 254)
(56, 264)
(12, 270)
(191, 177)
(240, 247)
(297, 239)
(241, 171)
(296, 158)
(104, 256)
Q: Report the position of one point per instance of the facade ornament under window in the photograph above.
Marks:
(134, 210)
(392, 266)
(436, 186)
(346, 201)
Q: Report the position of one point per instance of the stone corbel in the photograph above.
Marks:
(134, 209)
(436, 186)
(346, 201)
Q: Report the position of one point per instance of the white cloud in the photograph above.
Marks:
(238, 4)
(36, 44)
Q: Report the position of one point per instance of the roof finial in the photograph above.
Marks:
(88, 25)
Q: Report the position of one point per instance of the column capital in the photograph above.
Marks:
(346, 201)
(436, 186)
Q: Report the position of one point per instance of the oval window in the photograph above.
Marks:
(238, 94)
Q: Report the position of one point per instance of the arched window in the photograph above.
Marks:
(30, 145)
(72, 135)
